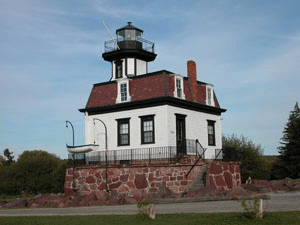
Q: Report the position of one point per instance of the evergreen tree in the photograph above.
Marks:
(290, 144)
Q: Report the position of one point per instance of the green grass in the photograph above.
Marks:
(272, 218)
(12, 197)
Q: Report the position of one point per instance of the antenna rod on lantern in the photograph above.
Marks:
(108, 31)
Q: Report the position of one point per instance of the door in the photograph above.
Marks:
(180, 135)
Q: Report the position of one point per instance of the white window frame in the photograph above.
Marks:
(120, 97)
(210, 95)
(176, 93)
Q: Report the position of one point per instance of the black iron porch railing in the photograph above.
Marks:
(200, 151)
(127, 156)
(218, 154)
(139, 155)
(194, 147)
(138, 43)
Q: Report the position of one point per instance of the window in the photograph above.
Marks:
(119, 69)
(123, 88)
(211, 132)
(123, 132)
(147, 129)
(209, 96)
(179, 88)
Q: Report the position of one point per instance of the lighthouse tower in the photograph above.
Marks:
(129, 54)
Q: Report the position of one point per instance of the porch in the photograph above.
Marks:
(138, 156)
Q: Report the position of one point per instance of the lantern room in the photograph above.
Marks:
(129, 53)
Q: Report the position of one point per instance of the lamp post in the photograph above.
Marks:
(105, 150)
(73, 154)
(67, 121)
(105, 131)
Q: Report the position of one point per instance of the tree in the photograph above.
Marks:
(290, 146)
(253, 163)
(9, 157)
(2, 160)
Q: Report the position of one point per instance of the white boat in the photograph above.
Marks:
(81, 148)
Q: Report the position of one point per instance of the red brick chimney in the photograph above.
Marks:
(192, 74)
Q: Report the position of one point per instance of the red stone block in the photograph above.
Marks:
(90, 180)
(228, 180)
(152, 169)
(131, 185)
(68, 178)
(92, 171)
(237, 168)
(111, 172)
(180, 178)
(225, 166)
(165, 178)
(184, 182)
(102, 186)
(215, 169)
(177, 183)
(231, 168)
(123, 189)
(220, 180)
(170, 183)
(157, 173)
(124, 178)
(131, 177)
(150, 177)
(115, 179)
(145, 170)
(98, 175)
(222, 188)
(114, 185)
(211, 183)
(140, 181)
(69, 171)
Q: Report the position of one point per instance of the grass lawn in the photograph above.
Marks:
(272, 218)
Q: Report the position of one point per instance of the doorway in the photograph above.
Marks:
(180, 135)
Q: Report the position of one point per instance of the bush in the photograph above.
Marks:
(34, 172)
(253, 163)
(38, 171)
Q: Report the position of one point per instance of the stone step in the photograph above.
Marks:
(200, 180)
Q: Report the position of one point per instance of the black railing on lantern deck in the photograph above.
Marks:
(138, 43)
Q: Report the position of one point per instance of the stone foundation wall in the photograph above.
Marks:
(223, 176)
(139, 180)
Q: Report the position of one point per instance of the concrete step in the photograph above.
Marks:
(200, 180)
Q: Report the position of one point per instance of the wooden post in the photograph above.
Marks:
(152, 211)
(260, 209)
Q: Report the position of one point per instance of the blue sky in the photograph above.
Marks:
(50, 56)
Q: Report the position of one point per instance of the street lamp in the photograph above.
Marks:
(105, 150)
